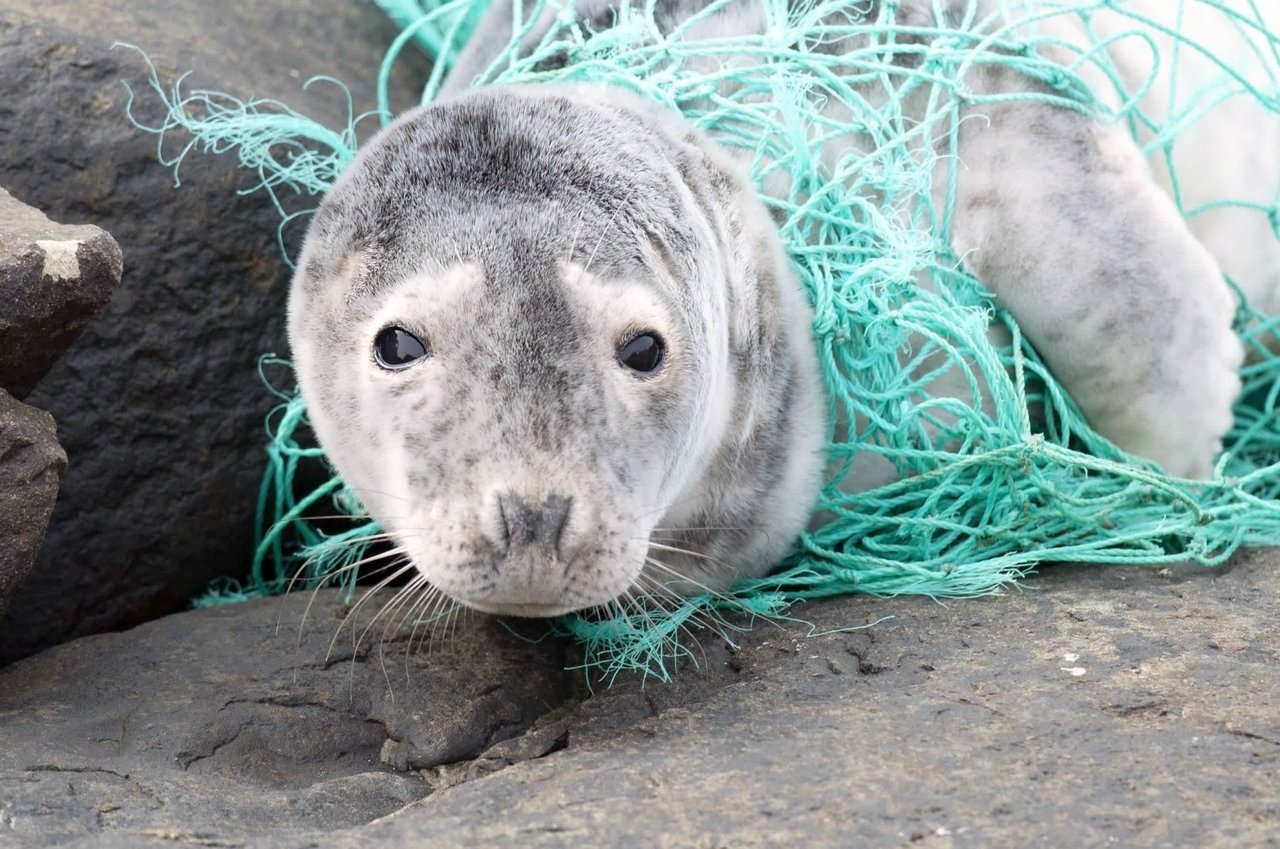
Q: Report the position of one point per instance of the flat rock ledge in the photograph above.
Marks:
(1099, 706)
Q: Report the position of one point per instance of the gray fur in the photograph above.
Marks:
(524, 231)
(521, 394)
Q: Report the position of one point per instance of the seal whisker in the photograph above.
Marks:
(677, 550)
(681, 628)
(313, 517)
(657, 598)
(455, 620)
(315, 593)
(435, 616)
(420, 590)
(741, 529)
(605, 232)
(404, 566)
(668, 605)
(387, 609)
(705, 618)
(643, 604)
(328, 576)
(686, 578)
(333, 573)
(403, 600)
(445, 629)
(426, 596)
(666, 508)
(359, 489)
(635, 607)
(394, 603)
(658, 564)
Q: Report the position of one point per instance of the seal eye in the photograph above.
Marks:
(396, 348)
(642, 353)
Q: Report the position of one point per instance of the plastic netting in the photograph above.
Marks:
(992, 481)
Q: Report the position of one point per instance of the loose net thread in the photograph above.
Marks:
(982, 496)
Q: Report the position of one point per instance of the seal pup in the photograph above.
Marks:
(550, 337)
(532, 326)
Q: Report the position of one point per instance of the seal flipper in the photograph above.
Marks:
(1058, 215)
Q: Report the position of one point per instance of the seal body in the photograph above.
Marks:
(549, 336)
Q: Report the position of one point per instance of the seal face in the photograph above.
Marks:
(549, 338)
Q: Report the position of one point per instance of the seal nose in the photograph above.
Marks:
(522, 524)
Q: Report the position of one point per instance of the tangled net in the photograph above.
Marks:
(982, 495)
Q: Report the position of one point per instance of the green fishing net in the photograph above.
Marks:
(990, 482)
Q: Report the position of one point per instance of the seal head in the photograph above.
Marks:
(550, 338)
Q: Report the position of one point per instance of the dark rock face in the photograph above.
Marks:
(159, 404)
(30, 463)
(1100, 706)
(53, 279)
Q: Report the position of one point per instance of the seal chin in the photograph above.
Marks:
(524, 611)
(532, 602)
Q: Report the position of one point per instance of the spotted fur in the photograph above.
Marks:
(524, 233)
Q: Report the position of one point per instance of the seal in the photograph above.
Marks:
(550, 338)
(549, 335)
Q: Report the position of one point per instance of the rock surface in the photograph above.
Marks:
(31, 462)
(159, 404)
(247, 718)
(1101, 706)
(53, 279)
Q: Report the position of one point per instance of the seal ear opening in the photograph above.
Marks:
(345, 280)
(355, 272)
(349, 266)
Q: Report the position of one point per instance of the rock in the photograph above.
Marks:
(1098, 706)
(53, 279)
(247, 719)
(30, 463)
(159, 404)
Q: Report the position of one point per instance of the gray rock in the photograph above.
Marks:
(53, 279)
(159, 404)
(31, 462)
(255, 718)
(1099, 706)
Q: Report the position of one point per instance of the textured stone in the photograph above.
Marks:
(247, 719)
(1100, 706)
(53, 279)
(30, 463)
(159, 403)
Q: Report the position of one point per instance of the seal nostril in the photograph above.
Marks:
(551, 520)
(518, 521)
(521, 526)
